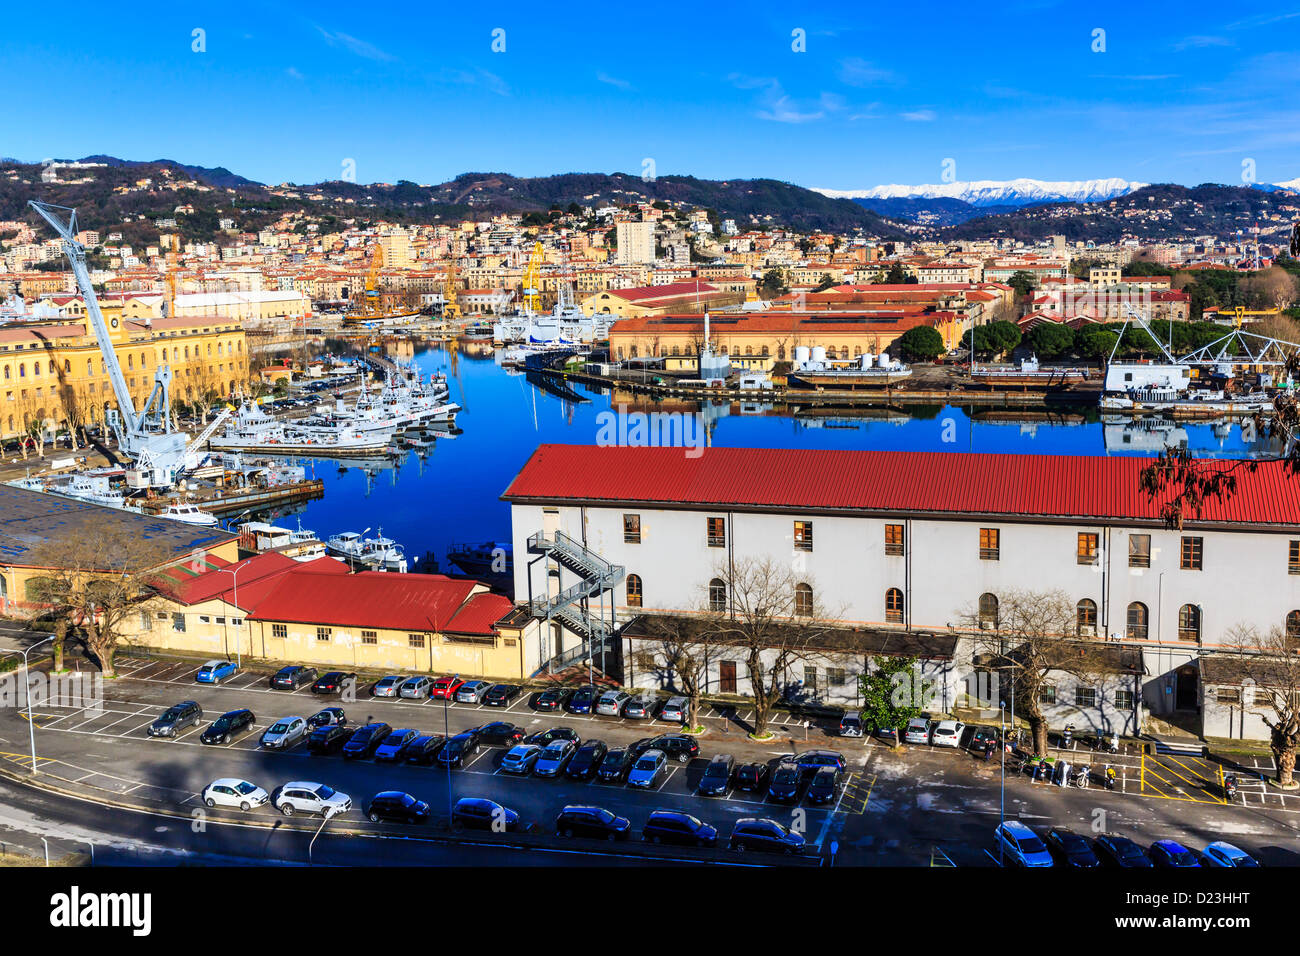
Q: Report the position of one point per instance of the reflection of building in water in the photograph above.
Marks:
(1143, 435)
(1235, 438)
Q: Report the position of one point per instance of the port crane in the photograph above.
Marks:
(533, 280)
(157, 452)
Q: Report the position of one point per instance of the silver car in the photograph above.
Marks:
(415, 688)
(284, 733)
(471, 692)
(674, 709)
(647, 770)
(639, 707)
(917, 732)
(301, 797)
(520, 758)
(387, 686)
(552, 760)
(610, 703)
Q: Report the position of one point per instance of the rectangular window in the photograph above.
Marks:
(803, 540)
(178, 623)
(323, 633)
(990, 544)
(146, 621)
(1139, 551)
(1191, 554)
(1085, 697)
(1087, 552)
(369, 637)
(236, 622)
(836, 676)
(631, 529)
(280, 630)
(1124, 699)
(893, 539)
(1047, 694)
(221, 621)
(717, 532)
(415, 640)
(204, 619)
(1228, 695)
(810, 680)
(1293, 559)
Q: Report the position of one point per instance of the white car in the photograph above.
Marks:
(233, 792)
(674, 709)
(284, 733)
(301, 797)
(947, 733)
(917, 732)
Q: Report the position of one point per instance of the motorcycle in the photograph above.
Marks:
(1081, 778)
(1067, 736)
(1041, 770)
(1230, 786)
(1108, 742)
(1062, 775)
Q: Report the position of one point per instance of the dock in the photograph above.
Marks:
(251, 499)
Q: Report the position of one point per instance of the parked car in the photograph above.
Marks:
(394, 806)
(233, 792)
(393, 747)
(639, 707)
(594, 822)
(1172, 855)
(366, 739)
(333, 683)
(214, 672)
(544, 737)
(615, 766)
(751, 777)
(500, 732)
(176, 718)
(647, 770)
(674, 709)
(284, 733)
(387, 686)
(471, 692)
(520, 758)
(444, 688)
(226, 726)
(501, 695)
(459, 748)
(553, 757)
(610, 703)
(918, 731)
(680, 747)
(825, 786)
(302, 797)
(1070, 849)
(476, 813)
(551, 700)
(982, 737)
(1220, 853)
(328, 739)
(415, 688)
(676, 827)
(293, 677)
(888, 734)
(1122, 852)
(582, 700)
(785, 784)
(851, 724)
(586, 759)
(759, 833)
(327, 717)
(947, 733)
(717, 775)
(1020, 845)
(424, 749)
(810, 761)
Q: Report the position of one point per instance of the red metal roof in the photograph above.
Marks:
(374, 599)
(479, 614)
(891, 481)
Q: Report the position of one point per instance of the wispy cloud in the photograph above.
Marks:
(777, 106)
(475, 77)
(293, 72)
(919, 116)
(1134, 77)
(1202, 42)
(605, 78)
(856, 71)
(355, 46)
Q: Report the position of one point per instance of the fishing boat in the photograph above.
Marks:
(383, 554)
(346, 544)
(188, 513)
(485, 559)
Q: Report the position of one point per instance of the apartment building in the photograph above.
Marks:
(636, 242)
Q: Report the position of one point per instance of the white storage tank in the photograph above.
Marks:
(867, 359)
(801, 353)
(884, 360)
(818, 354)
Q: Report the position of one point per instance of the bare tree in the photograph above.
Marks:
(682, 653)
(1029, 638)
(1270, 664)
(774, 616)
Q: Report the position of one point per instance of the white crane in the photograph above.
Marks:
(157, 453)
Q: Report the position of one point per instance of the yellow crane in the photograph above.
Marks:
(371, 302)
(533, 281)
(450, 302)
(1240, 312)
(170, 282)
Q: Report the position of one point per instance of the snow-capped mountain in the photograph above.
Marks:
(1291, 184)
(989, 192)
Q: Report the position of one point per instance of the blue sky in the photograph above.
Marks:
(882, 93)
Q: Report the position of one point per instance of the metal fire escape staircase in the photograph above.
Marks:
(571, 606)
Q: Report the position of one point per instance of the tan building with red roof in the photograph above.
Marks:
(694, 295)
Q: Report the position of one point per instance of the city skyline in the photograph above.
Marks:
(820, 99)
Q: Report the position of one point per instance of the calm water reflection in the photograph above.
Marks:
(453, 494)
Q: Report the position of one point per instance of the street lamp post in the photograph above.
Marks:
(234, 575)
(1002, 800)
(27, 684)
(329, 814)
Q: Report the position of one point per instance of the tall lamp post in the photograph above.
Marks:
(31, 727)
(234, 575)
(329, 815)
(1002, 800)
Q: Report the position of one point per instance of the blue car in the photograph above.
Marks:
(1019, 845)
(214, 672)
(1169, 854)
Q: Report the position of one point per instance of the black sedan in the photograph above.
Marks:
(594, 822)
(500, 695)
(328, 739)
(784, 787)
(500, 732)
(1070, 849)
(327, 716)
(586, 759)
(333, 683)
(1122, 852)
(393, 806)
(459, 748)
(679, 747)
(293, 677)
(825, 786)
(226, 726)
(551, 700)
(423, 750)
(615, 766)
(365, 741)
(751, 777)
(544, 737)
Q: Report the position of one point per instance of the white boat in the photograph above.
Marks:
(188, 513)
(347, 544)
(383, 554)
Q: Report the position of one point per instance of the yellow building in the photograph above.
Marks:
(54, 372)
(660, 299)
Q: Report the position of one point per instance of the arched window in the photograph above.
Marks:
(1085, 617)
(803, 600)
(780, 353)
(22, 369)
(36, 368)
(6, 373)
(894, 606)
(765, 351)
(67, 366)
(1292, 619)
(717, 595)
(988, 610)
(130, 361)
(1137, 622)
(1189, 623)
(634, 590)
(90, 366)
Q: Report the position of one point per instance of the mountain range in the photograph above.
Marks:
(990, 192)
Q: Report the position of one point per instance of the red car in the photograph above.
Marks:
(444, 688)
